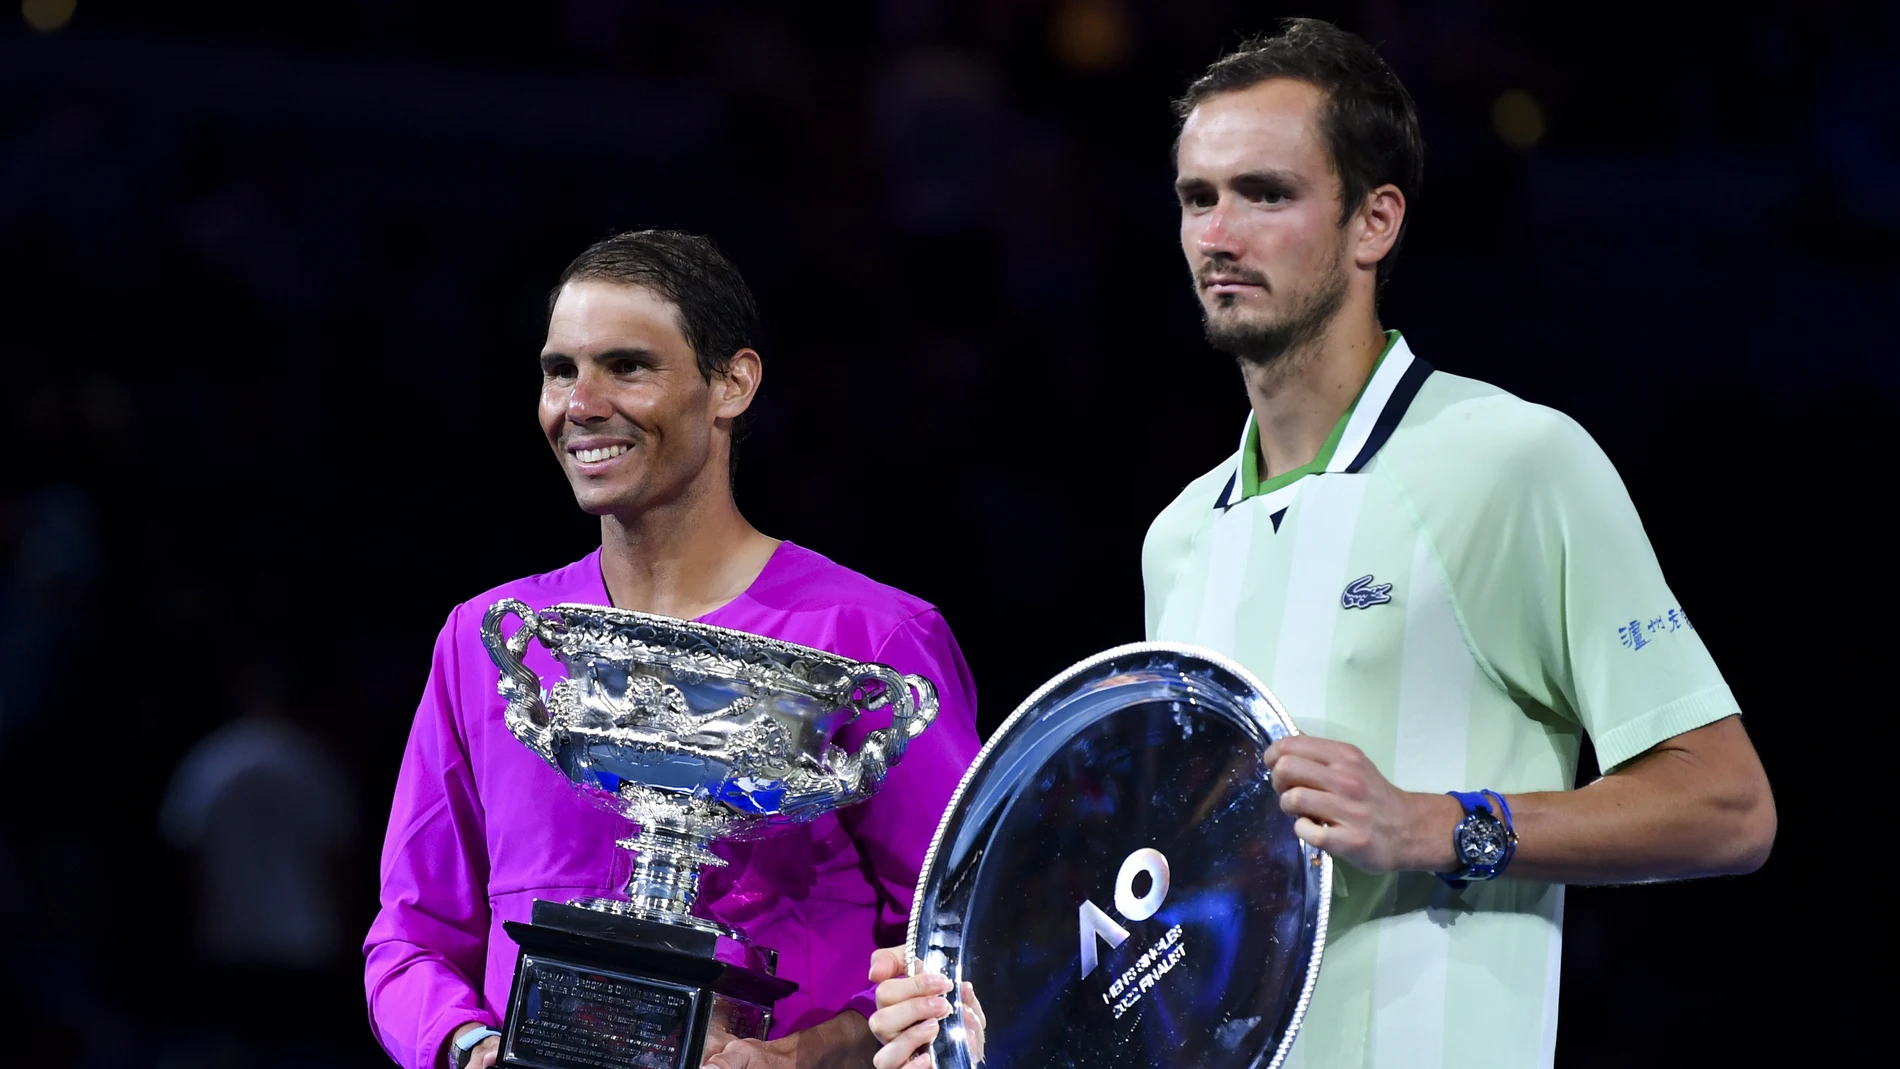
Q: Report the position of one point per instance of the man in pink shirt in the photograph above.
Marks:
(647, 366)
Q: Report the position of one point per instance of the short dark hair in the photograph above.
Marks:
(1368, 120)
(717, 314)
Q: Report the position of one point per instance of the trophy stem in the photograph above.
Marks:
(666, 866)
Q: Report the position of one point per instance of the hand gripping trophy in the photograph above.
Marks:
(697, 734)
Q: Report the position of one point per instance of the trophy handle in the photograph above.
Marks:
(527, 715)
(884, 748)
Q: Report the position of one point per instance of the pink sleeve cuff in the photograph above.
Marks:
(865, 1002)
(444, 1028)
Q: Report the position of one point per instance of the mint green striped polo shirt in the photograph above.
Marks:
(1460, 587)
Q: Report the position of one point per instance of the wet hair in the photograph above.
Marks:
(1368, 120)
(717, 315)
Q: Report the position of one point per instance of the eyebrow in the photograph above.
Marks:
(1273, 178)
(1268, 179)
(645, 356)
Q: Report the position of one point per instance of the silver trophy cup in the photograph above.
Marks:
(696, 734)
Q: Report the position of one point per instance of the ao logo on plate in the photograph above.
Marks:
(1095, 923)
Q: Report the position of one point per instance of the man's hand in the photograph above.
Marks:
(843, 1041)
(908, 1009)
(716, 1038)
(754, 1054)
(1347, 808)
(482, 1057)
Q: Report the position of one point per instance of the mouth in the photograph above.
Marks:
(592, 459)
(1229, 279)
(595, 456)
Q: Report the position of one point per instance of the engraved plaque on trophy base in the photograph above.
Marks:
(594, 990)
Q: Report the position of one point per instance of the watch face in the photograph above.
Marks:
(1481, 841)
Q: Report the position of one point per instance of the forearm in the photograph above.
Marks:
(844, 1042)
(1677, 812)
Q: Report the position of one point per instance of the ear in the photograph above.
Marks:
(1380, 219)
(733, 389)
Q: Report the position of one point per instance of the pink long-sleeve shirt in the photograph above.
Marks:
(481, 826)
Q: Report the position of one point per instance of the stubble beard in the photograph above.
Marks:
(1279, 345)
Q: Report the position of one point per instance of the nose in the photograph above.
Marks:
(585, 401)
(1218, 239)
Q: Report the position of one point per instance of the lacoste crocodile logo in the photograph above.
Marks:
(1363, 593)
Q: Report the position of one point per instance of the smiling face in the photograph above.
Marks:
(1260, 209)
(624, 406)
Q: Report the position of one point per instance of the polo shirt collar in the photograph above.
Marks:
(1374, 415)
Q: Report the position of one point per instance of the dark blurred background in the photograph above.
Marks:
(273, 290)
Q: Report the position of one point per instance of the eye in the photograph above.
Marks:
(626, 366)
(1269, 196)
(560, 369)
(1195, 197)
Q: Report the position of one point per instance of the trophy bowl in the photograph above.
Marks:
(696, 733)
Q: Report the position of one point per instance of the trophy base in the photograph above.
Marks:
(623, 908)
(598, 990)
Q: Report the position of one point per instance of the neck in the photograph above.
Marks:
(684, 558)
(1298, 398)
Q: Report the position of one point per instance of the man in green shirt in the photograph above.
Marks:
(1447, 587)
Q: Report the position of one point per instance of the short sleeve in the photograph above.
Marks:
(1564, 597)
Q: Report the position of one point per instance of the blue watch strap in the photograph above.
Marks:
(1473, 800)
(1474, 803)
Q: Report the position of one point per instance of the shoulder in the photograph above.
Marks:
(1174, 528)
(1462, 436)
(804, 580)
(1491, 478)
(806, 597)
(1483, 422)
(576, 582)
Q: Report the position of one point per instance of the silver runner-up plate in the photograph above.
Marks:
(1114, 883)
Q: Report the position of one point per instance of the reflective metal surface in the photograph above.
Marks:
(696, 733)
(1114, 883)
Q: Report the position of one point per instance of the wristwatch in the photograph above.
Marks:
(463, 1049)
(1483, 842)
